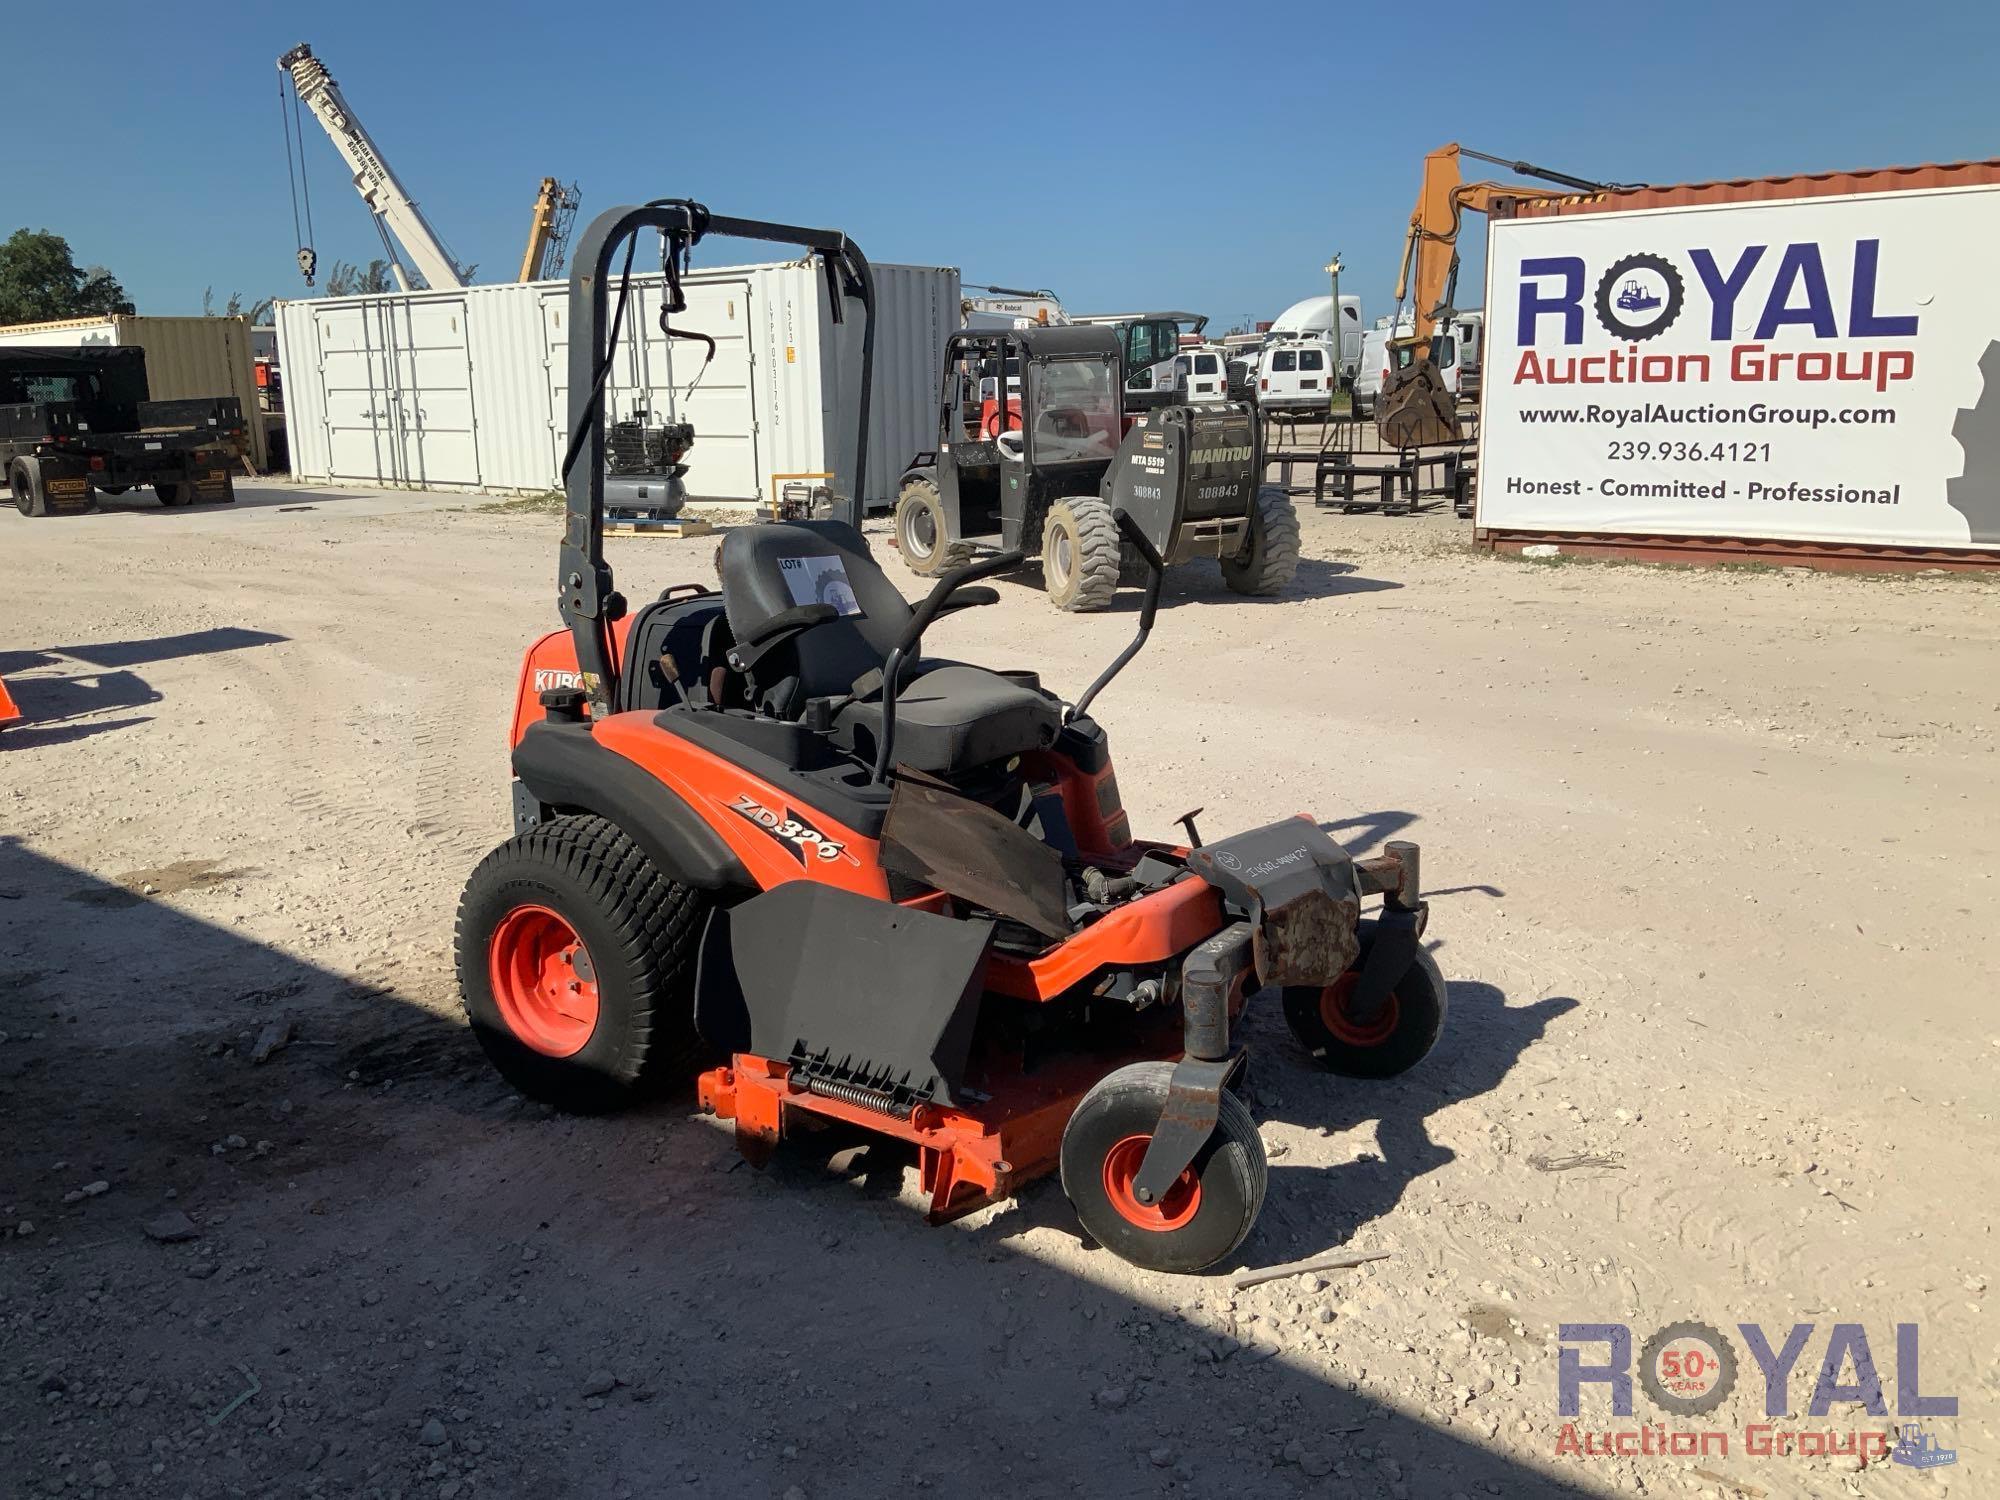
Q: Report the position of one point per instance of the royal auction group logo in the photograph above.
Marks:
(1639, 297)
(1687, 1369)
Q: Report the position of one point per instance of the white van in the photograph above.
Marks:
(1296, 376)
(1200, 375)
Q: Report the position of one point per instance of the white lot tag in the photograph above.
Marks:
(819, 580)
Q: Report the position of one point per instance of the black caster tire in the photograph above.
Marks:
(1396, 1041)
(1208, 1211)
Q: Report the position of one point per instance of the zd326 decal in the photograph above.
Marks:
(794, 832)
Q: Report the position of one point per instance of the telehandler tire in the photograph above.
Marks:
(921, 534)
(1202, 1217)
(1081, 554)
(1271, 558)
(576, 963)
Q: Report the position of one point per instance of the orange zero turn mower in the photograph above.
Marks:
(760, 831)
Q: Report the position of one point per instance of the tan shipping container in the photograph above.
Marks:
(185, 358)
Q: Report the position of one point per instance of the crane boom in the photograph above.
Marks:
(541, 226)
(394, 209)
(548, 230)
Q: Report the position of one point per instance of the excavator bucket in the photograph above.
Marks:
(1414, 408)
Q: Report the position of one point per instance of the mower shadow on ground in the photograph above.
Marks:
(1366, 831)
(1484, 1037)
(385, 1236)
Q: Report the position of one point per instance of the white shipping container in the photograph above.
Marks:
(185, 357)
(469, 389)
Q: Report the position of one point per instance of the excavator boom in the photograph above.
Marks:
(1415, 408)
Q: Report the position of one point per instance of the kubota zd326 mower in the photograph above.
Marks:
(762, 829)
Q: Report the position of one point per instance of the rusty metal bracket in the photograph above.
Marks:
(1194, 1094)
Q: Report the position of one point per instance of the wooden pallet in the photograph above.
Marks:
(668, 526)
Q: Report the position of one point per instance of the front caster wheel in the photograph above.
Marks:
(1393, 1041)
(1208, 1210)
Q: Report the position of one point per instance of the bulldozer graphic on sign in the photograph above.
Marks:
(1634, 298)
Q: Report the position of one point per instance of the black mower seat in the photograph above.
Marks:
(949, 717)
(953, 718)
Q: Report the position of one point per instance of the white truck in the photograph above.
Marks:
(1312, 318)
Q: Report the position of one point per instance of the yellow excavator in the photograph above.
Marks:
(1414, 407)
(548, 231)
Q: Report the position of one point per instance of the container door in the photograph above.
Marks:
(720, 400)
(354, 375)
(432, 370)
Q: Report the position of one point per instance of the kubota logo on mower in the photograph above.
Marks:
(794, 832)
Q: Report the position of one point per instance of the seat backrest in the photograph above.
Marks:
(771, 568)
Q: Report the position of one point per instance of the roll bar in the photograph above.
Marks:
(588, 602)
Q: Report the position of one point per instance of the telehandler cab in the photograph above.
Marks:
(1034, 448)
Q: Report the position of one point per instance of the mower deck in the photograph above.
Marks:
(968, 1155)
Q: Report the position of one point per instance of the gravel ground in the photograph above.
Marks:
(1712, 860)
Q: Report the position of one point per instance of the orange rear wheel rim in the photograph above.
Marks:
(1334, 1014)
(543, 981)
(1176, 1208)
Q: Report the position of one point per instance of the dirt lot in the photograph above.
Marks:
(1712, 861)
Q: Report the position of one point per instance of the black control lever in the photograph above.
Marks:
(1130, 530)
(774, 632)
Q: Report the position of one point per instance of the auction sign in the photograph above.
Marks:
(1817, 369)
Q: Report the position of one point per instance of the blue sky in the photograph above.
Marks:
(1169, 154)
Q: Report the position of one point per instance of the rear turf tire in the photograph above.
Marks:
(639, 933)
(921, 534)
(1203, 1218)
(1081, 554)
(1271, 559)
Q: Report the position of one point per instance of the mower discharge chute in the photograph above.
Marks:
(762, 837)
